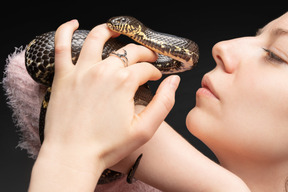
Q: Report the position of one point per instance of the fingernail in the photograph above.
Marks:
(174, 82)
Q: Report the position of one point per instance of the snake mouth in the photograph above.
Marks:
(110, 26)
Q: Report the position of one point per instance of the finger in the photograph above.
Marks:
(143, 72)
(91, 51)
(63, 37)
(131, 54)
(157, 110)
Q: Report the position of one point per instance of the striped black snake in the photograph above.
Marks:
(175, 54)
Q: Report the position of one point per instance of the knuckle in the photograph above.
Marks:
(144, 134)
(63, 36)
(61, 48)
(122, 76)
(108, 74)
(167, 101)
(95, 35)
(124, 79)
(98, 33)
(99, 71)
(132, 46)
(142, 52)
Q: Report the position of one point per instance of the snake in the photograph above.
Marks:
(175, 55)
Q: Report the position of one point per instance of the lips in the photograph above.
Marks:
(208, 88)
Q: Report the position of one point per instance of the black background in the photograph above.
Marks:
(205, 25)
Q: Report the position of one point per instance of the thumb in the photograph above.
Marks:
(157, 110)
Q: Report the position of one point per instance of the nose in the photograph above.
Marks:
(227, 54)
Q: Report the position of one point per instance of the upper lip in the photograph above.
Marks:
(207, 83)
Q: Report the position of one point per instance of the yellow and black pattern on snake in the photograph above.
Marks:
(176, 54)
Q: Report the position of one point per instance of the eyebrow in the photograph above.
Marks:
(274, 33)
(259, 31)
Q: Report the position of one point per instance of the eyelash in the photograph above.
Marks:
(271, 56)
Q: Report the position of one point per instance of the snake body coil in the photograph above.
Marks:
(176, 54)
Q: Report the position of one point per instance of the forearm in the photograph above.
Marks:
(170, 163)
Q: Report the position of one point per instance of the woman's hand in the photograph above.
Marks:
(90, 121)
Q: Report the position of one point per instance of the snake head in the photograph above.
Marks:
(125, 25)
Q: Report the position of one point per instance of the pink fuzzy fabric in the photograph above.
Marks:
(24, 98)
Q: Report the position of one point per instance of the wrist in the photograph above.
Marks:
(64, 170)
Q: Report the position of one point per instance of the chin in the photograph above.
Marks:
(202, 125)
(196, 123)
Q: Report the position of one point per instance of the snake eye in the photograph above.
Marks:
(119, 21)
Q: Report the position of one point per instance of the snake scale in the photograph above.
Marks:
(175, 54)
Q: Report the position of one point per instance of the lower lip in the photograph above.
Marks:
(205, 92)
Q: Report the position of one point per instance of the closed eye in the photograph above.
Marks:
(271, 56)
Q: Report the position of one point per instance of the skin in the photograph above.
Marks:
(246, 124)
(240, 113)
(78, 143)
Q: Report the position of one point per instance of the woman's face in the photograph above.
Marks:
(242, 106)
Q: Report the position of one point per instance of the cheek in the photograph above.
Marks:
(255, 115)
(260, 100)
(252, 119)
